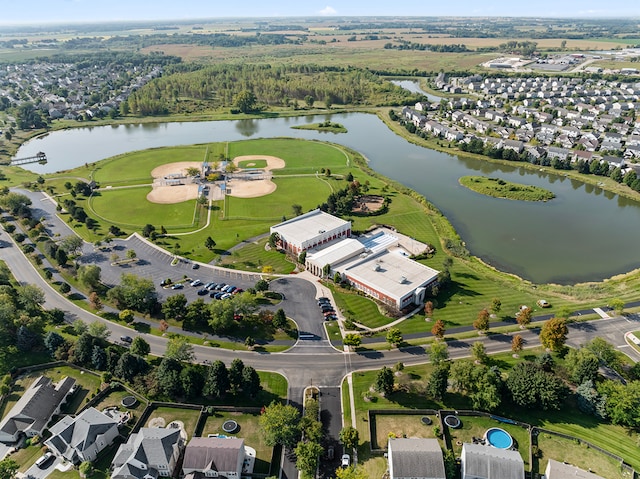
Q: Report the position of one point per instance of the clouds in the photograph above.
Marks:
(327, 11)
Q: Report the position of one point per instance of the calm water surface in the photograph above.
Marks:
(584, 234)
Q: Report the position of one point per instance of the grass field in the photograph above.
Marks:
(579, 455)
(249, 431)
(253, 257)
(402, 426)
(189, 417)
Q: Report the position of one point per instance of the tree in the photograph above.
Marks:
(517, 343)
(622, 402)
(168, 377)
(589, 401)
(71, 245)
(582, 365)
(98, 358)
(245, 101)
(139, 346)
(438, 329)
(217, 381)
(79, 327)
(26, 339)
(175, 307)
(95, 301)
(30, 297)
(394, 336)
(98, 330)
(65, 287)
(250, 381)
(532, 387)
(89, 275)
(478, 352)
(135, 293)
(249, 342)
(131, 254)
(352, 339)
(53, 341)
(428, 308)
(209, 243)
(129, 366)
(83, 349)
(617, 305)
(553, 334)
(309, 100)
(274, 238)
(351, 472)
(280, 319)
(192, 381)
(261, 285)
(482, 322)
(147, 230)
(605, 352)
(307, 456)
(127, 316)
(496, 305)
(437, 384)
(8, 468)
(438, 352)
(85, 469)
(523, 317)
(297, 209)
(235, 375)
(179, 348)
(385, 381)
(349, 437)
(279, 424)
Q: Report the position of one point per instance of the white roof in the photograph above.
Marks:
(391, 273)
(559, 470)
(336, 252)
(307, 226)
(489, 462)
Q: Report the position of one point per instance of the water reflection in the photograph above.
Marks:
(247, 127)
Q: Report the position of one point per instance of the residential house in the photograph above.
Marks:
(150, 453)
(560, 470)
(415, 458)
(81, 438)
(560, 153)
(213, 457)
(33, 411)
(486, 462)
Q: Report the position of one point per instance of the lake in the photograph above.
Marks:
(584, 234)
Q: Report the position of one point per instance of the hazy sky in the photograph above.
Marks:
(49, 11)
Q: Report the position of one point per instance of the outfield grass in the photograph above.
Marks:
(249, 431)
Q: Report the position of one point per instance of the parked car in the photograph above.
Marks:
(203, 291)
(45, 460)
(330, 453)
(210, 286)
(196, 282)
(238, 290)
(126, 339)
(225, 296)
(330, 317)
(177, 286)
(345, 461)
(322, 298)
(543, 303)
(195, 266)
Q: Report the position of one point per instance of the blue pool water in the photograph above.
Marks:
(499, 438)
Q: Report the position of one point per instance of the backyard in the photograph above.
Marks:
(163, 416)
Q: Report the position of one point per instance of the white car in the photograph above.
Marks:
(345, 461)
(196, 282)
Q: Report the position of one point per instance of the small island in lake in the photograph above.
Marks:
(324, 126)
(505, 189)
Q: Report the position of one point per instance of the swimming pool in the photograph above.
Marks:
(498, 438)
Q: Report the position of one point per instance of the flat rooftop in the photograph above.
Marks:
(391, 273)
(307, 226)
(336, 252)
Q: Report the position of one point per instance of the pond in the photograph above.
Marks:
(584, 234)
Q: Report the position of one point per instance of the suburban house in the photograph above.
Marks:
(81, 438)
(415, 458)
(213, 457)
(560, 470)
(486, 462)
(310, 230)
(150, 453)
(33, 411)
(376, 264)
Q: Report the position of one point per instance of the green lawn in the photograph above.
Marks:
(253, 257)
(189, 417)
(579, 455)
(358, 308)
(301, 157)
(114, 398)
(249, 431)
(402, 426)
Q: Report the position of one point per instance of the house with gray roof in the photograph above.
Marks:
(83, 437)
(213, 457)
(415, 458)
(33, 411)
(560, 470)
(150, 453)
(486, 462)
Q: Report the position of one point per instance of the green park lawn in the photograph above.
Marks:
(254, 257)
